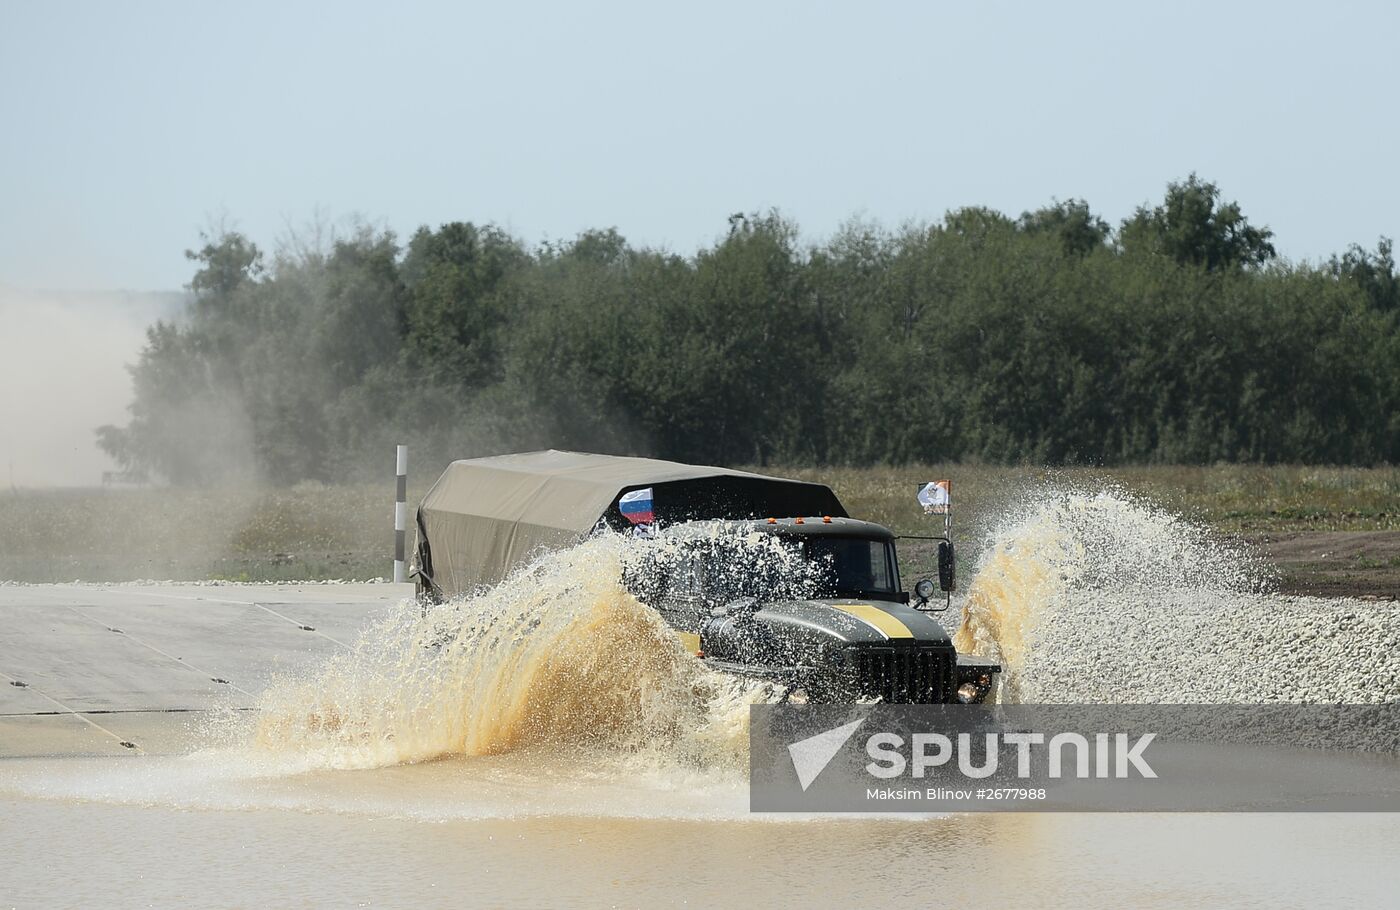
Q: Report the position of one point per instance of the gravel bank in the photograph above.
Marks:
(1227, 648)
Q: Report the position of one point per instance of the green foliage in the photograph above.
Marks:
(1045, 339)
(1193, 227)
(1374, 273)
(1080, 231)
(226, 262)
(455, 307)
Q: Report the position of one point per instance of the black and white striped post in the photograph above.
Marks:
(400, 513)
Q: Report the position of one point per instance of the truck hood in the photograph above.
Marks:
(873, 622)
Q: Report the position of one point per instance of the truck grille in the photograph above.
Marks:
(904, 676)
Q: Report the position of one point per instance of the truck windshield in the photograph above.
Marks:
(852, 565)
(724, 568)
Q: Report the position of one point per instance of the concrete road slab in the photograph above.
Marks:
(43, 736)
(243, 644)
(336, 611)
(361, 593)
(16, 697)
(103, 665)
(157, 732)
(105, 671)
(339, 621)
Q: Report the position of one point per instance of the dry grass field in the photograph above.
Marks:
(1328, 530)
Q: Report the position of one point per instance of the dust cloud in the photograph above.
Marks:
(63, 359)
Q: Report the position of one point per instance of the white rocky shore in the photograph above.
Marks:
(1230, 648)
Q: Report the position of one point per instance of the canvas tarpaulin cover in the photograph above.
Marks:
(486, 516)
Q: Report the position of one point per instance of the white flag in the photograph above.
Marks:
(936, 497)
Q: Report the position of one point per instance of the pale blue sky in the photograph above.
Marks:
(125, 126)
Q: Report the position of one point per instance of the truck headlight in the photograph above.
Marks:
(974, 690)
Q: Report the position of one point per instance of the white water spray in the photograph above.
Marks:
(1101, 597)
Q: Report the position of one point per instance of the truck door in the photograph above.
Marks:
(686, 604)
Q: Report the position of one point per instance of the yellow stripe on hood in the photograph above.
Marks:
(888, 624)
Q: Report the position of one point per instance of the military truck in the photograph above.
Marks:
(853, 633)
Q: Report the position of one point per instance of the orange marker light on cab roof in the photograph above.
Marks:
(772, 521)
(826, 519)
(800, 520)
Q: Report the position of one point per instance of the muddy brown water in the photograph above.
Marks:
(152, 831)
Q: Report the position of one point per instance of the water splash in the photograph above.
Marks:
(1107, 548)
(564, 655)
(560, 654)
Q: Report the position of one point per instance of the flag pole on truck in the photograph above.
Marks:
(936, 496)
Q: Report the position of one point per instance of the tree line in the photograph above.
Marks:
(1178, 336)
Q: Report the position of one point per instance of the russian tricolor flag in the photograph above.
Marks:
(636, 507)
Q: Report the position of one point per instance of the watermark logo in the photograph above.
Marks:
(810, 756)
(938, 758)
(933, 751)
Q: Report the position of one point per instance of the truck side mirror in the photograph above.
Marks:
(947, 566)
(742, 605)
